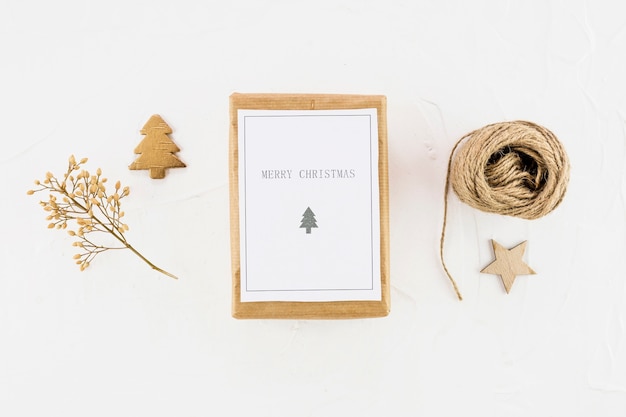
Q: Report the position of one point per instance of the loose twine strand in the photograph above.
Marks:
(517, 169)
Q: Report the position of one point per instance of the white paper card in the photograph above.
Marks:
(309, 205)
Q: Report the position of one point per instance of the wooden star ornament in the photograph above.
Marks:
(508, 263)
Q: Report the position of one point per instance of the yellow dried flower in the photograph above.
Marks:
(79, 195)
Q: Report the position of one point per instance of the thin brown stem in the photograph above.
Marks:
(121, 239)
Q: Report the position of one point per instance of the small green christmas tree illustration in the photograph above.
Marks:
(156, 149)
(308, 220)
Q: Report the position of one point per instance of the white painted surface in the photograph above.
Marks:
(82, 77)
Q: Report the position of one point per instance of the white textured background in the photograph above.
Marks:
(82, 77)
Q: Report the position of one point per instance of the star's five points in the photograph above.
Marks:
(508, 263)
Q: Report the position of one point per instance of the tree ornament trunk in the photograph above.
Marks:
(157, 173)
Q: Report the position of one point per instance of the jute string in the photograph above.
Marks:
(517, 169)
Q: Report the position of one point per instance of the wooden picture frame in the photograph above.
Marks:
(308, 309)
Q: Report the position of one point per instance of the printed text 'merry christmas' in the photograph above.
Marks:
(286, 174)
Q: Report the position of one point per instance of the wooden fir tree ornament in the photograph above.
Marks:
(508, 263)
(156, 149)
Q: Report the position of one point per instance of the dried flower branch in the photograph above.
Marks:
(84, 198)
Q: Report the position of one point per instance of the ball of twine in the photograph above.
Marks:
(515, 168)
